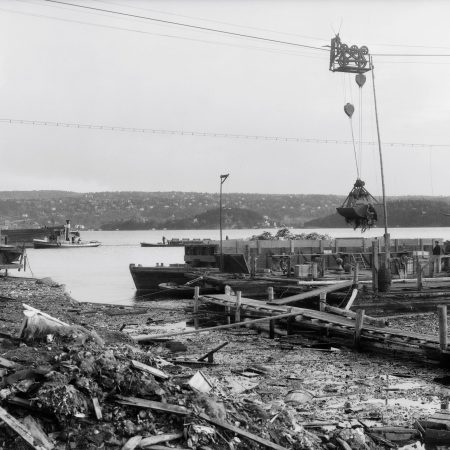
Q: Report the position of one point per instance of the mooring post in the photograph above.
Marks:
(419, 274)
(443, 326)
(358, 327)
(237, 314)
(196, 296)
(228, 308)
(270, 294)
(323, 301)
(356, 274)
(375, 266)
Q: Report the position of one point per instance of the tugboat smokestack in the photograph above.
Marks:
(67, 229)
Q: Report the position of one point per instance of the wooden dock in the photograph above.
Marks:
(336, 327)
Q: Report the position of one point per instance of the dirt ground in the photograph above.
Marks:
(291, 395)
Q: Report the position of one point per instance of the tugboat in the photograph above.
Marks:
(64, 238)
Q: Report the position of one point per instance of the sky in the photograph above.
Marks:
(67, 64)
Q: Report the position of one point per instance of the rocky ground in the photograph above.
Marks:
(278, 390)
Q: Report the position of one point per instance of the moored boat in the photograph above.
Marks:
(64, 238)
(149, 278)
(45, 243)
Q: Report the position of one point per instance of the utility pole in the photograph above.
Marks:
(222, 180)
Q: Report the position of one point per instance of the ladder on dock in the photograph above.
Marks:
(358, 258)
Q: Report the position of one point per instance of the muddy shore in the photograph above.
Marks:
(294, 396)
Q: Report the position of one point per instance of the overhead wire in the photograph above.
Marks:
(231, 33)
(165, 35)
(203, 19)
(189, 26)
(209, 134)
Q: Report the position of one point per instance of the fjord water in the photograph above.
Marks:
(101, 274)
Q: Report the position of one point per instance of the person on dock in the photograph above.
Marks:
(436, 257)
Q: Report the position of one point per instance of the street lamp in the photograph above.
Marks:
(222, 180)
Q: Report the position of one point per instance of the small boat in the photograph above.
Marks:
(175, 242)
(64, 238)
(45, 243)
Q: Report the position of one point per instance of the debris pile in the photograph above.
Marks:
(67, 387)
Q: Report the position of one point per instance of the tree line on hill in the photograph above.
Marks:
(190, 210)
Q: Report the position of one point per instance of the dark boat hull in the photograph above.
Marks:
(148, 278)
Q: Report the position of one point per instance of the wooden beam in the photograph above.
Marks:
(377, 322)
(211, 352)
(151, 370)
(314, 293)
(148, 338)
(443, 326)
(21, 430)
(241, 432)
(150, 404)
(152, 440)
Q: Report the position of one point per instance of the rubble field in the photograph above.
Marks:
(84, 383)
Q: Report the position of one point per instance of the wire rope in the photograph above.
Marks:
(222, 135)
(190, 26)
(354, 147)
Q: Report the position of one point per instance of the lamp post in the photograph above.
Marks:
(222, 180)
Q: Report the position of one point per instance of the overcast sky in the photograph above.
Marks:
(71, 65)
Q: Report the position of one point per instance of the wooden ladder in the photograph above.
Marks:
(358, 258)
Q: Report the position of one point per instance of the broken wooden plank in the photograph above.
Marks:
(241, 432)
(7, 363)
(313, 293)
(21, 430)
(132, 443)
(151, 370)
(152, 440)
(37, 432)
(150, 404)
(97, 408)
(211, 353)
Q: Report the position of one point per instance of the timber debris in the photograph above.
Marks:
(66, 387)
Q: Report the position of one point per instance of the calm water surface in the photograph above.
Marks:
(101, 274)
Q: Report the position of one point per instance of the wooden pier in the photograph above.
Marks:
(343, 329)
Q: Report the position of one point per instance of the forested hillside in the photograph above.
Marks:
(144, 210)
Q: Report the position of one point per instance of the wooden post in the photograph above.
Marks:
(443, 326)
(270, 294)
(271, 329)
(375, 266)
(419, 274)
(323, 301)
(396, 245)
(358, 327)
(254, 264)
(228, 308)
(356, 274)
(196, 295)
(237, 314)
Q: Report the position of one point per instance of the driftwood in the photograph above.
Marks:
(150, 404)
(148, 442)
(242, 432)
